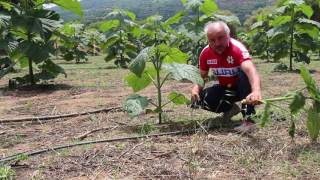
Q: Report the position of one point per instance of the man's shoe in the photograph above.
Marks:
(247, 126)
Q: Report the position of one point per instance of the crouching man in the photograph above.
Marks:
(238, 79)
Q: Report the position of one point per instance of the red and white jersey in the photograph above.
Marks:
(226, 65)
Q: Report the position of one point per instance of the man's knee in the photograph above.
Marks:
(214, 99)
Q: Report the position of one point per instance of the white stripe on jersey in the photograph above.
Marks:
(201, 53)
(243, 49)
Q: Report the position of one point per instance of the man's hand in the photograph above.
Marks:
(254, 98)
(195, 93)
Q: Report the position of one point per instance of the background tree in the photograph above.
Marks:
(31, 26)
(293, 18)
(72, 39)
(119, 45)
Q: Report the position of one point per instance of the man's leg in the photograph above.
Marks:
(244, 89)
(216, 99)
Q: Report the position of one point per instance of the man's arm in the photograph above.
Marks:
(250, 70)
(197, 88)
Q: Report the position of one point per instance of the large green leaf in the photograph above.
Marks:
(178, 98)
(313, 123)
(175, 55)
(138, 64)
(52, 68)
(175, 19)
(266, 114)
(311, 30)
(110, 41)
(41, 21)
(306, 9)
(137, 32)
(69, 5)
(280, 20)
(110, 57)
(309, 21)
(131, 15)
(297, 103)
(4, 20)
(135, 104)
(184, 72)
(38, 52)
(139, 83)
(256, 25)
(310, 82)
(209, 7)
(6, 5)
(107, 25)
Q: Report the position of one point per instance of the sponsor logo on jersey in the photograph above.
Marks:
(230, 60)
(226, 72)
(212, 61)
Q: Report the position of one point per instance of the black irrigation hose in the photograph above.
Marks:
(37, 152)
(45, 118)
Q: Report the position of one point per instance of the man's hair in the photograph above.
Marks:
(223, 24)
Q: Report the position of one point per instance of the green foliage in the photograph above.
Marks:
(191, 38)
(184, 72)
(120, 44)
(7, 173)
(299, 104)
(26, 31)
(266, 114)
(286, 31)
(137, 83)
(281, 67)
(158, 61)
(72, 42)
(178, 98)
(70, 5)
(313, 122)
(310, 83)
(146, 128)
(135, 104)
(289, 19)
(292, 129)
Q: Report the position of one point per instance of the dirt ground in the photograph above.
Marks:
(221, 153)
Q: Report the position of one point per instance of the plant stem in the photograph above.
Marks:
(164, 80)
(279, 99)
(159, 86)
(292, 38)
(268, 54)
(30, 65)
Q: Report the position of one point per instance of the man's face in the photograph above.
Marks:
(218, 40)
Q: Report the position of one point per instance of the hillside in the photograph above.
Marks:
(97, 9)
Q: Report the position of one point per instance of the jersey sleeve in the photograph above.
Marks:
(203, 61)
(243, 55)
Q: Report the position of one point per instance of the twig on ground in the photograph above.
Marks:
(45, 118)
(85, 135)
(125, 152)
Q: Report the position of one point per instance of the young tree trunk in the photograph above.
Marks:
(268, 53)
(159, 86)
(291, 39)
(31, 76)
